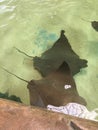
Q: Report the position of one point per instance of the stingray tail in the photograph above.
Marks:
(86, 20)
(23, 53)
(15, 75)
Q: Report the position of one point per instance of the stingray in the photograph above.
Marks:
(52, 88)
(52, 58)
(94, 24)
(60, 51)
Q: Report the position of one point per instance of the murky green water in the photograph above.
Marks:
(33, 26)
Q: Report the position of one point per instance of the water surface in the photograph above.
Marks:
(33, 27)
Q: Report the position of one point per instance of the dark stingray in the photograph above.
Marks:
(50, 90)
(95, 25)
(60, 51)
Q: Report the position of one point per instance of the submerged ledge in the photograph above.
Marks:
(17, 116)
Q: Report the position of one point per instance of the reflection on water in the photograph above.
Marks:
(6, 12)
(22, 23)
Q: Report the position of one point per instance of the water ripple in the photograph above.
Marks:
(2, 0)
(6, 12)
(4, 8)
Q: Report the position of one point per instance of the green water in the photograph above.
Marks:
(33, 26)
